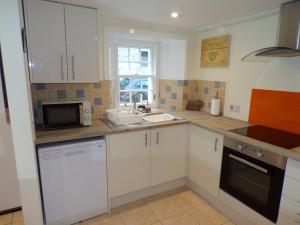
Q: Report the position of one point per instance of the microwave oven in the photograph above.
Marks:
(57, 115)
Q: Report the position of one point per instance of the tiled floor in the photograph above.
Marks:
(176, 207)
(12, 218)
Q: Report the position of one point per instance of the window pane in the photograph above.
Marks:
(123, 54)
(124, 97)
(124, 84)
(134, 68)
(123, 69)
(134, 54)
(145, 69)
(145, 55)
(135, 84)
(145, 85)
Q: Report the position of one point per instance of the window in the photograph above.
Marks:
(136, 74)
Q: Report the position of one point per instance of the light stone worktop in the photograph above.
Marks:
(221, 125)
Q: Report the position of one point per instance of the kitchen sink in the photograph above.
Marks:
(158, 118)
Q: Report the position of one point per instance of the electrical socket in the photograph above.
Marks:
(234, 108)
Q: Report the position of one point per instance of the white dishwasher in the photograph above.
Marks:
(73, 180)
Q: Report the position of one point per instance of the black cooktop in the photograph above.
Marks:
(272, 136)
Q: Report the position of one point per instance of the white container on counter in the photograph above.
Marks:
(215, 105)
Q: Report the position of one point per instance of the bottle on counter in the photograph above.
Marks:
(215, 105)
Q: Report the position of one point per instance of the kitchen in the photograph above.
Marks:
(90, 60)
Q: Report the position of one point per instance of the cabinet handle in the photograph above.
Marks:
(157, 138)
(216, 144)
(146, 140)
(73, 68)
(62, 66)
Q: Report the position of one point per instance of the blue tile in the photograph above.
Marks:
(80, 93)
(40, 87)
(162, 101)
(209, 105)
(173, 107)
(97, 101)
(174, 96)
(98, 85)
(206, 90)
(168, 88)
(217, 84)
(61, 94)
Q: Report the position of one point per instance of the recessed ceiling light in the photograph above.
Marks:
(131, 31)
(174, 14)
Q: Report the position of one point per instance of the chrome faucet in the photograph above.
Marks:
(134, 97)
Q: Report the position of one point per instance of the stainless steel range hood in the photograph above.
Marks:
(288, 37)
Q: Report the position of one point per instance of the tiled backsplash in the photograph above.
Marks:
(174, 94)
(99, 94)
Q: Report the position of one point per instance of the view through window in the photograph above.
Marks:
(136, 75)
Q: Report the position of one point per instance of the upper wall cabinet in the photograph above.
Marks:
(63, 43)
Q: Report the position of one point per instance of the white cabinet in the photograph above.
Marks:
(46, 36)
(143, 158)
(289, 212)
(63, 43)
(168, 154)
(205, 158)
(81, 36)
(129, 162)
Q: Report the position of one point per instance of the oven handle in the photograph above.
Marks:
(248, 163)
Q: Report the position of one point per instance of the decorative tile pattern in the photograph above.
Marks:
(99, 94)
(174, 94)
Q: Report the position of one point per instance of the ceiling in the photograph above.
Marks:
(193, 14)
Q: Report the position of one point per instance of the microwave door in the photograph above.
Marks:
(57, 116)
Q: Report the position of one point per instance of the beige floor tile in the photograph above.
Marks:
(165, 207)
(17, 217)
(188, 200)
(181, 219)
(114, 219)
(139, 216)
(5, 219)
(205, 214)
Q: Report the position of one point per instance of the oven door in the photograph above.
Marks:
(253, 182)
(57, 116)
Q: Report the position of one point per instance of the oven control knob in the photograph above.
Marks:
(259, 153)
(241, 147)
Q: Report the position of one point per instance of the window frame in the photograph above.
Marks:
(154, 55)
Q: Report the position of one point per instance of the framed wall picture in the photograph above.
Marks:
(215, 51)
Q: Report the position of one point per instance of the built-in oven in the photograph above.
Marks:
(253, 176)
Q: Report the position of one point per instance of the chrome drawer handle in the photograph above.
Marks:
(157, 138)
(216, 144)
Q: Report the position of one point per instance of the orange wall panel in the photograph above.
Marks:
(276, 109)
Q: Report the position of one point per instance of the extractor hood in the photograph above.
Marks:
(288, 37)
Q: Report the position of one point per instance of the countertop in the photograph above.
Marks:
(221, 125)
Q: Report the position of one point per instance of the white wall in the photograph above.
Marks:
(20, 111)
(9, 188)
(173, 59)
(279, 74)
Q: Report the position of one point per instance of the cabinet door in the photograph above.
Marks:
(129, 162)
(168, 154)
(47, 45)
(82, 44)
(205, 158)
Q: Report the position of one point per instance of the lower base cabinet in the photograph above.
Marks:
(140, 159)
(205, 158)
